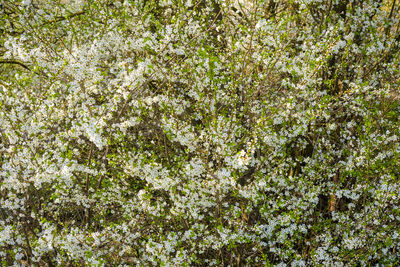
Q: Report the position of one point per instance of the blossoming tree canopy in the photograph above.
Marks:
(199, 133)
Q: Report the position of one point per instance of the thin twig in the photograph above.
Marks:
(61, 18)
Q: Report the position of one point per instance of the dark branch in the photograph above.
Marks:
(11, 61)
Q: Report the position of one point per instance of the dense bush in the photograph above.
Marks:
(199, 133)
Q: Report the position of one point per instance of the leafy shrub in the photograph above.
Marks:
(196, 133)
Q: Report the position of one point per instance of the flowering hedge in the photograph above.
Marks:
(199, 133)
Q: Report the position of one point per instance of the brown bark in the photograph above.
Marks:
(333, 201)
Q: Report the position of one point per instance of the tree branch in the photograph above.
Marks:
(16, 62)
